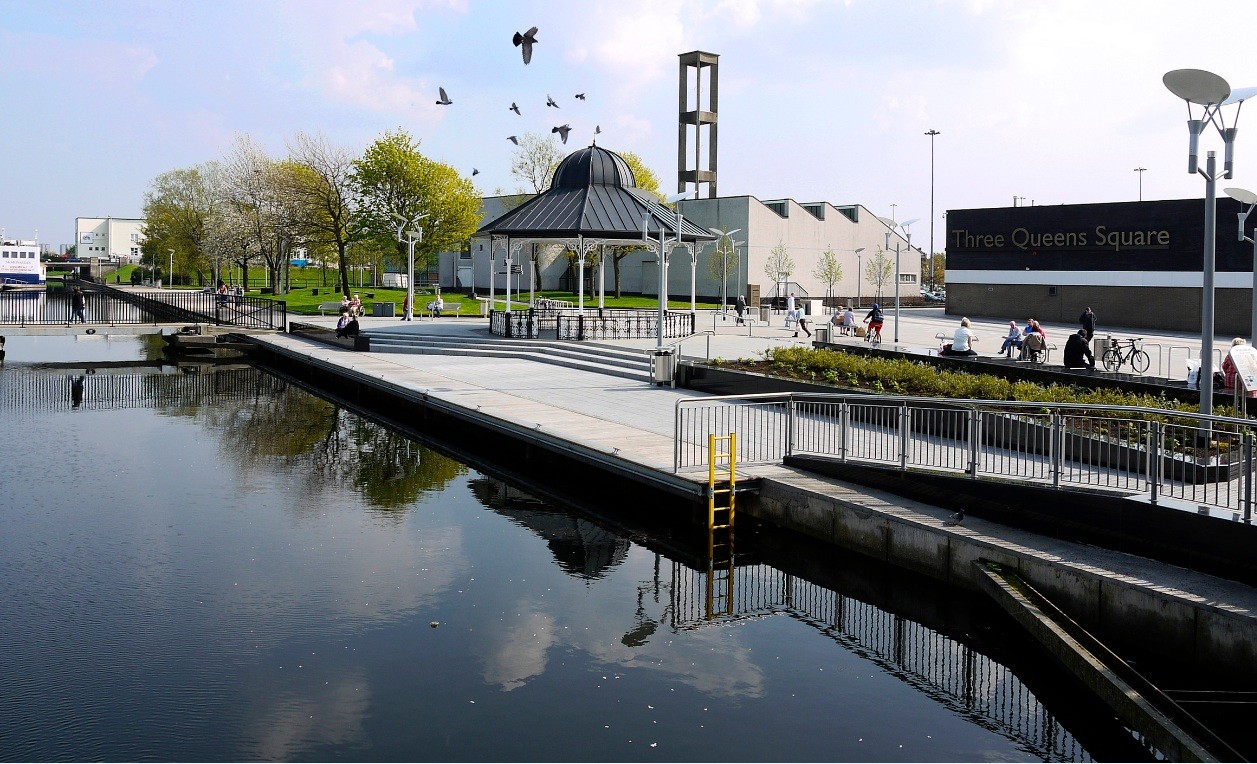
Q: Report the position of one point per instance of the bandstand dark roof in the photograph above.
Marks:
(593, 194)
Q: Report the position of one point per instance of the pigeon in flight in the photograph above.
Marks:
(580, 96)
(474, 172)
(955, 519)
(562, 130)
(525, 42)
(513, 139)
(445, 100)
(550, 102)
(514, 108)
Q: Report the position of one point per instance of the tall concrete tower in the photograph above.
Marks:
(703, 120)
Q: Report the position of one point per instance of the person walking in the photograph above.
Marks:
(1088, 322)
(78, 306)
(801, 324)
(740, 308)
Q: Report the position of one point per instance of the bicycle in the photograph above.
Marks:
(874, 334)
(1121, 352)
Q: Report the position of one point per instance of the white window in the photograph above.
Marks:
(907, 278)
(135, 237)
(135, 251)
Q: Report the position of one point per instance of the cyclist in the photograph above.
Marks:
(874, 319)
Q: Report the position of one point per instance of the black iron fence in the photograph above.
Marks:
(106, 305)
(605, 324)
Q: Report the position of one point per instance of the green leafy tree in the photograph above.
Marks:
(934, 270)
(178, 208)
(828, 271)
(879, 270)
(394, 177)
(647, 180)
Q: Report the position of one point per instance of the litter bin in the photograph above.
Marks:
(764, 312)
(386, 309)
(822, 333)
(663, 366)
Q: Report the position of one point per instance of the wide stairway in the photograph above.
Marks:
(629, 363)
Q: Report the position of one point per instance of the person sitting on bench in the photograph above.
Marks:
(1077, 354)
(962, 341)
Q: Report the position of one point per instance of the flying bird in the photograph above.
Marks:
(474, 172)
(525, 42)
(513, 139)
(562, 130)
(514, 108)
(580, 96)
(955, 519)
(550, 102)
(445, 100)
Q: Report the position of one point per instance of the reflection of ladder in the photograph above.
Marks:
(721, 498)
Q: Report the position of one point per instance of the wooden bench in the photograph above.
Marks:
(326, 307)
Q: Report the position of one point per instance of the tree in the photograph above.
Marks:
(829, 271)
(779, 265)
(393, 177)
(261, 194)
(324, 188)
(722, 261)
(178, 208)
(879, 270)
(934, 270)
(645, 179)
(535, 159)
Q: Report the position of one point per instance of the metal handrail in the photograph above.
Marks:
(1202, 460)
(677, 342)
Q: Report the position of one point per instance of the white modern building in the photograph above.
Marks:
(804, 231)
(109, 238)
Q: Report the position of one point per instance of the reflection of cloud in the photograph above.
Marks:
(521, 653)
(726, 670)
(325, 715)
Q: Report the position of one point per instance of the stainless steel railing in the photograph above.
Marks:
(1155, 453)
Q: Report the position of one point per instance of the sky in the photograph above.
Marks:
(1055, 101)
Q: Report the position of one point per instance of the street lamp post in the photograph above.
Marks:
(1208, 90)
(663, 259)
(891, 225)
(170, 275)
(1247, 199)
(724, 265)
(859, 283)
(930, 258)
(1141, 171)
(413, 233)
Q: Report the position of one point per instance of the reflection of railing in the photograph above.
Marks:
(1204, 460)
(948, 671)
(606, 324)
(24, 389)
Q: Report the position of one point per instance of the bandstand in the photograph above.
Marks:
(593, 204)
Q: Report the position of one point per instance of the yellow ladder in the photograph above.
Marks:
(721, 502)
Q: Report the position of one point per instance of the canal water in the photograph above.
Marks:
(212, 563)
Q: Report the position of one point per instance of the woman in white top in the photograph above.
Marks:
(962, 341)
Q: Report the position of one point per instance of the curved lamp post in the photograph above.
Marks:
(1247, 199)
(405, 225)
(724, 267)
(1212, 93)
(930, 258)
(663, 258)
(891, 225)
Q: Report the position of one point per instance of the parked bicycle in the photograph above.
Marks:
(1121, 352)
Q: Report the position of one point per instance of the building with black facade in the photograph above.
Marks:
(1137, 264)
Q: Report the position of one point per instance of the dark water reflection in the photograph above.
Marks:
(221, 566)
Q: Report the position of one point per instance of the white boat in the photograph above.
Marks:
(20, 264)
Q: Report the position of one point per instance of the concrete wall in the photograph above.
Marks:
(117, 238)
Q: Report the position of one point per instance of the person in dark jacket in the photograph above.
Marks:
(1078, 351)
(741, 308)
(1088, 322)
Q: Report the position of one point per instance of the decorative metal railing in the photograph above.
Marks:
(594, 324)
(948, 671)
(1152, 452)
(106, 305)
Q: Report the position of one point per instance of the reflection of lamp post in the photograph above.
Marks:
(891, 225)
(171, 274)
(1196, 86)
(404, 224)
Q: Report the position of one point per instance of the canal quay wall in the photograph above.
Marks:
(615, 437)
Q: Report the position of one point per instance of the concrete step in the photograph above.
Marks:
(615, 364)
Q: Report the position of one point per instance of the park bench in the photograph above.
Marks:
(329, 307)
